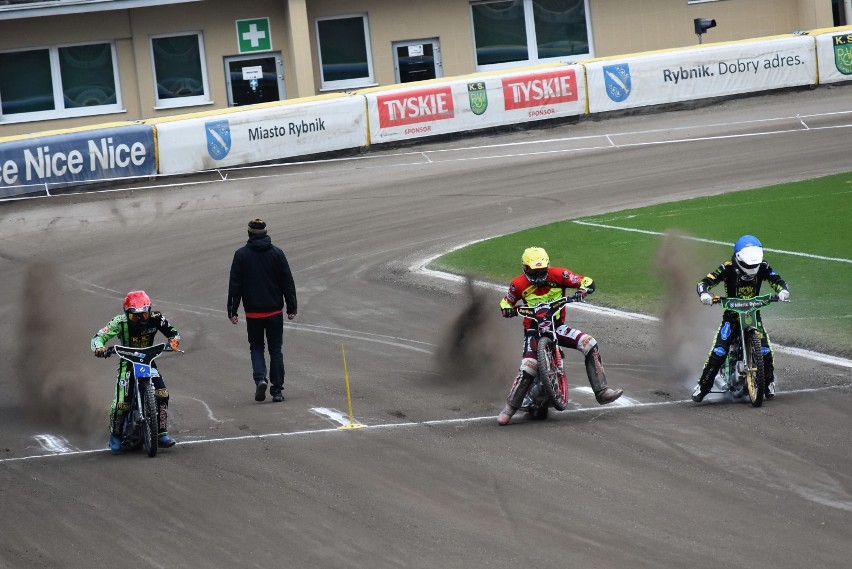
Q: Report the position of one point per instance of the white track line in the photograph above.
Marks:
(420, 267)
(688, 238)
(410, 424)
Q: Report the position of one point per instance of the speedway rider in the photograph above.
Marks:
(742, 276)
(136, 328)
(542, 283)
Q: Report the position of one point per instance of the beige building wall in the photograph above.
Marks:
(649, 25)
(218, 24)
(398, 20)
(618, 27)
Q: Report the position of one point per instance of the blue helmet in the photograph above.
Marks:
(748, 254)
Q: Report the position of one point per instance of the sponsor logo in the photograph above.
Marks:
(218, 138)
(725, 333)
(617, 81)
(478, 97)
(843, 53)
(719, 351)
(411, 107)
(765, 350)
(540, 89)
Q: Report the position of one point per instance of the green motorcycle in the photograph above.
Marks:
(742, 372)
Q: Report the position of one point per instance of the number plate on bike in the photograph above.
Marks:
(141, 370)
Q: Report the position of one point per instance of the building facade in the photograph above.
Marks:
(75, 63)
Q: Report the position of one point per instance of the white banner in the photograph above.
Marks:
(245, 136)
(475, 102)
(834, 52)
(701, 72)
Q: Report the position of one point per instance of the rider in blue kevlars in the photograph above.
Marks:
(136, 328)
(742, 276)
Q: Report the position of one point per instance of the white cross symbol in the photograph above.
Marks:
(253, 35)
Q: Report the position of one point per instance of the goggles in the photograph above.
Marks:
(536, 274)
(138, 316)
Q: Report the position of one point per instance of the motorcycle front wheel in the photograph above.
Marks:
(755, 380)
(149, 420)
(552, 378)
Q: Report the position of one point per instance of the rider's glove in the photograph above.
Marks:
(706, 299)
(100, 352)
(783, 295)
(174, 343)
(509, 312)
(580, 295)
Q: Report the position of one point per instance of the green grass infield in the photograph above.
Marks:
(641, 257)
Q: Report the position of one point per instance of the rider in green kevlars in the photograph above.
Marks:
(742, 276)
(136, 328)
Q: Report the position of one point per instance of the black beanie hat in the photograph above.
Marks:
(257, 227)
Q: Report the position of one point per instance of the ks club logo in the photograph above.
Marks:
(617, 81)
(843, 53)
(478, 96)
(218, 138)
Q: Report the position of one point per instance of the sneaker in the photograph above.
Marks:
(260, 392)
(114, 443)
(608, 395)
(699, 392)
(165, 441)
(278, 397)
(506, 414)
(769, 392)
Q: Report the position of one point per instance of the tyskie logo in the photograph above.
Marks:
(540, 89)
(218, 138)
(411, 107)
(617, 81)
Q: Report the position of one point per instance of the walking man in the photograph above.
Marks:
(261, 279)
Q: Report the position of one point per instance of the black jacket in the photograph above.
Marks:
(261, 278)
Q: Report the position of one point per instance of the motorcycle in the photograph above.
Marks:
(550, 388)
(742, 371)
(140, 422)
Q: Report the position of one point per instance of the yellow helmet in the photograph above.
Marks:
(536, 263)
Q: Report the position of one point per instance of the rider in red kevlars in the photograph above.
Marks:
(542, 283)
(136, 328)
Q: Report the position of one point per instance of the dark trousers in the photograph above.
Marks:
(273, 328)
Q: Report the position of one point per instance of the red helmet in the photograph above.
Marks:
(137, 305)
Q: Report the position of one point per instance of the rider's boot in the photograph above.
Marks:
(597, 378)
(164, 440)
(516, 396)
(705, 382)
(769, 374)
(114, 442)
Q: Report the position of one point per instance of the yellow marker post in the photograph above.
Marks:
(352, 424)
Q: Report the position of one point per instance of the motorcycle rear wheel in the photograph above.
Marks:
(149, 420)
(755, 380)
(552, 378)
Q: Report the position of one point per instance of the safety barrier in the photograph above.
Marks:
(319, 125)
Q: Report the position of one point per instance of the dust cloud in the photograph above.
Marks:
(478, 354)
(687, 326)
(58, 396)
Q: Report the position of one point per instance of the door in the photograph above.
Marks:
(417, 60)
(252, 79)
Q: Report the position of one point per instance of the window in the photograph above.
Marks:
(58, 81)
(344, 52)
(512, 32)
(180, 76)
